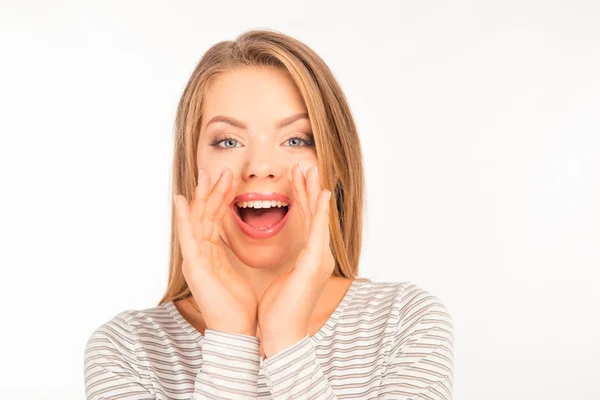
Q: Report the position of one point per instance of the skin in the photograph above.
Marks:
(280, 288)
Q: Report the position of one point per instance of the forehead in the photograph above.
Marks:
(256, 96)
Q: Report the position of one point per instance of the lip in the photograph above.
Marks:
(263, 233)
(262, 196)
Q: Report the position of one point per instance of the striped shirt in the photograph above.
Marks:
(383, 341)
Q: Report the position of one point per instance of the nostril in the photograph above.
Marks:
(254, 176)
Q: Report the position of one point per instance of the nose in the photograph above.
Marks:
(261, 164)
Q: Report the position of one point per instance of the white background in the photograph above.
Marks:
(480, 125)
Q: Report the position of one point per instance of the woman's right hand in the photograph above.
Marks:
(228, 303)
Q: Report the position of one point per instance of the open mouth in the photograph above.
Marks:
(261, 214)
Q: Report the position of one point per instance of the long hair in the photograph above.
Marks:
(336, 139)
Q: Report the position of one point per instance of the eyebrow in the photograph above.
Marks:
(239, 124)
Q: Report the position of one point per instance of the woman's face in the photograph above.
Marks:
(255, 123)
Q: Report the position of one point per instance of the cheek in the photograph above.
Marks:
(213, 168)
(296, 224)
(213, 173)
(211, 162)
(307, 160)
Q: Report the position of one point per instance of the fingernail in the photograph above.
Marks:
(200, 171)
(317, 172)
(223, 171)
(301, 168)
(328, 195)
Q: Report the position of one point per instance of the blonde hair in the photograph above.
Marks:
(336, 139)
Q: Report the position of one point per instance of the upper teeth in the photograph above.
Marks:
(261, 204)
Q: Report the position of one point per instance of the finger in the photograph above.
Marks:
(300, 196)
(225, 207)
(218, 193)
(226, 203)
(320, 226)
(215, 200)
(327, 239)
(329, 259)
(199, 203)
(185, 231)
(199, 207)
(313, 187)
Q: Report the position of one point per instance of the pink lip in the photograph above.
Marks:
(264, 233)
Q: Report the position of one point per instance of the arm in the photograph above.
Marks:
(230, 366)
(421, 357)
(112, 370)
(295, 373)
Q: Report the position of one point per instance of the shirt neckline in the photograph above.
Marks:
(320, 334)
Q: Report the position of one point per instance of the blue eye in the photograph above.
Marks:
(229, 143)
(299, 142)
(224, 143)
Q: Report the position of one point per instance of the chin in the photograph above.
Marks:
(268, 253)
(264, 258)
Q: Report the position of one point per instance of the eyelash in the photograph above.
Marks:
(307, 139)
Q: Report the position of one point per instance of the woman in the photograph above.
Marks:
(263, 299)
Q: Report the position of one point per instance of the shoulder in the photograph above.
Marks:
(405, 302)
(118, 334)
(397, 293)
(129, 320)
(125, 330)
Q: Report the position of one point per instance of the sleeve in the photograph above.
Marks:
(421, 357)
(111, 368)
(112, 371)
(230, 366)
(295, 373)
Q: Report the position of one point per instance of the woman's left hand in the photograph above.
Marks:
(286, 307)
